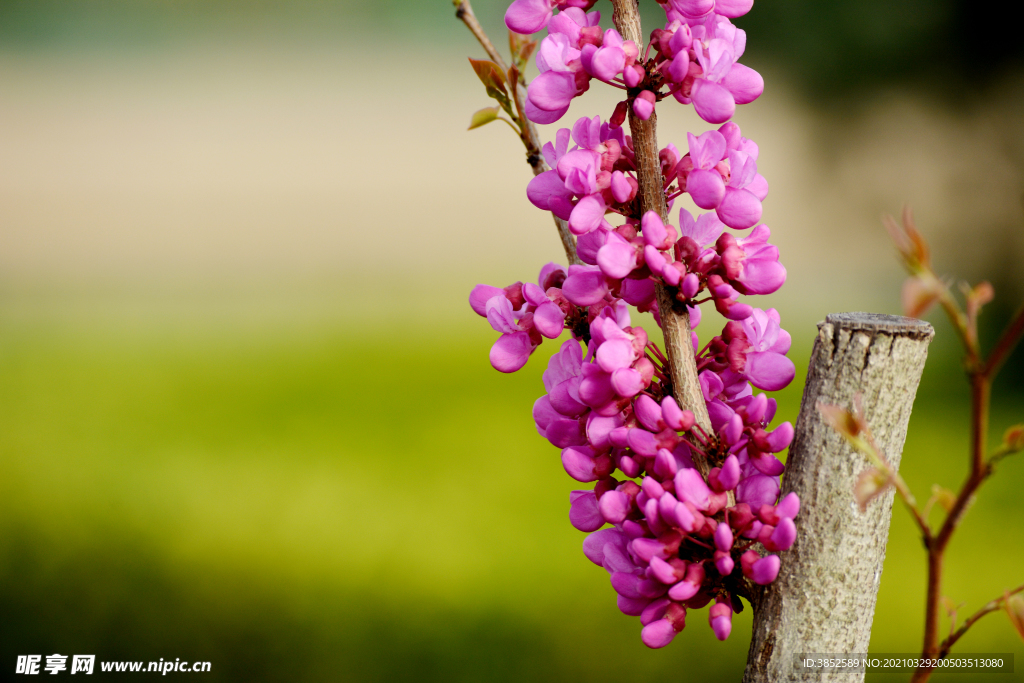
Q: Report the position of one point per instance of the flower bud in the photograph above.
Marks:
(619, 115)
(720, 618)
(643, 105)
(1013, 440)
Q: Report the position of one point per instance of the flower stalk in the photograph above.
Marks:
(675, 320)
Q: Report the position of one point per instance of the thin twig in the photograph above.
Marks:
(987, 609)
(957, 318)
(981, 392)
(675, 324)
(911, 503)
(529, 135)
(877, 457)
(1011, 335)
(464, 13)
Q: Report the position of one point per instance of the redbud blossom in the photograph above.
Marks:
(670, 538)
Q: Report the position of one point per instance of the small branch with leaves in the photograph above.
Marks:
(507, 86)
(922, 290)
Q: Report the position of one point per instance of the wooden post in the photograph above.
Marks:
(823, 600)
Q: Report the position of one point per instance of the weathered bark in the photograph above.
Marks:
(823, 600)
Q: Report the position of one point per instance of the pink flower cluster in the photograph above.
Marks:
(695, 58)
(524, 314)
(597, 175)
(680, 515)
(597, 178)
(676, 542)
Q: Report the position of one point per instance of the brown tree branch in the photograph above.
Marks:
(675, 321)
(980, 374)
(911, 503)
(464, 13)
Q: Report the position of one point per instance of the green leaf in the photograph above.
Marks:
(871, 483)
(1013, 440)
(489, 74)
(483, 117)
(522, 48)
(944, 497)
(503, 100)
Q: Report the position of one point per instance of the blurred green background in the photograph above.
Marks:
(246, 415)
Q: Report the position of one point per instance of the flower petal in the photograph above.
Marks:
(769, 371)
(511, 351)
(739, 209)
(549, 320)
(553, 90)
(583, 512)
(585, 285)
(528, 16)
(588, 214)
(543, 116)
(480, 295)
(745, 84)
(713, 102)
(706, 188)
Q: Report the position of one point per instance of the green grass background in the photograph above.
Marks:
(340, 499)
(336, 495)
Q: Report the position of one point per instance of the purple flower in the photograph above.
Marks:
(571, 22)
(562, 380)
(588, 215)
(643, 105)
(609, 60)
(750, 263)
(560, 430)
(585, 285)
(692, 8)
(514, 347)
(714, 102)
(733, 8)
(557, 53)
(764, 361)
(758, 490)
(704, 183)
(743, 83)
(584, 465)
(548, 192)
(550, 93)
(703, 231)
(780, 537)
(674, 535)
(740, 208)
(619, 257)
(760, 570)
(727, 299)
(720, 618)
(530, 16)
(523, 314)
(583, 512)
